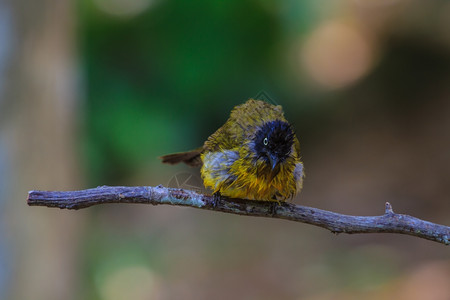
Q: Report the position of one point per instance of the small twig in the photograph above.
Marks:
(390, 222)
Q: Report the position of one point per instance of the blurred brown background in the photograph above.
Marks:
(92, 92)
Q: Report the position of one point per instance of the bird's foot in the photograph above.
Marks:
(216, 199)
(273, 207)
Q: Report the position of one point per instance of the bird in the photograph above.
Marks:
(255, 155)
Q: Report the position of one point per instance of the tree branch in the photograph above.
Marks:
(389, 222)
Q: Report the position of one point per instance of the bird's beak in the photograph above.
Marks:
(273, 161)
(275, 166)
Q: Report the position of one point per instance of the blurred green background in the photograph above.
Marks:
(92, 92)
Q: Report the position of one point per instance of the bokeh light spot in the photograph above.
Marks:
(123, 8)
(130, 282)
(336, 55)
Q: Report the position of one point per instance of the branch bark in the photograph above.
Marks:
(389, 222)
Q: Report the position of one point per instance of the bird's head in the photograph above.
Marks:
(273, 144)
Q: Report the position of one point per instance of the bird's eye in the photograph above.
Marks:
(265, 141)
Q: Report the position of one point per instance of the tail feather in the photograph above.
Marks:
(191, 158)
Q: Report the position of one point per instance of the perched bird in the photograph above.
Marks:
(255, 155)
